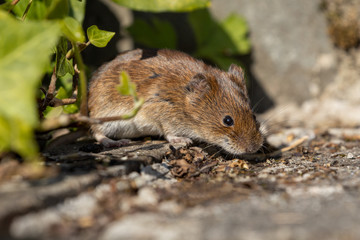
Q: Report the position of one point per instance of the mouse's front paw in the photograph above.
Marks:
(175, 139)
(107, 142)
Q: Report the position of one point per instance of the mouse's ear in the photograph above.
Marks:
(198, 84)
(238, 73)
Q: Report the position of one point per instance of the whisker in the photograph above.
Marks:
(273, 114)
(271, 128)
(253, 109)
(264, 147)
(209, 146)
(227, 155)
(215, 153)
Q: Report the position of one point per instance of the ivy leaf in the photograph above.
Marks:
(237, 29)
(63, 65)
(164, 6)
(66, 82)
(137, 105)
(6, 6)
(62, 94)
(37, 10)
(24, 55)
(77, 10)
(126, 87)
(71, 108)
(157, 34)
(97, 37)
(72, 29)
(57, 9)
(220, 42)
(204, 27)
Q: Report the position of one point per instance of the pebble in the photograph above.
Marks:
(147, 196)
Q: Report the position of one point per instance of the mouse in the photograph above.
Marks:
(184, 100)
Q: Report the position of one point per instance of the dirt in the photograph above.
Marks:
(153, 190)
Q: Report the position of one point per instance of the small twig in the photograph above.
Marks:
(13, 4)
(109, 119)
(83, 82)
(278, 152)
(203, 169)
(43, 90)
(76, 69)
(53, 80)
(288, 148)
(50, 94)
(75, 82)
(26, 10)
(64, 121)
(55, 102)
(67, 119)
(82, 46)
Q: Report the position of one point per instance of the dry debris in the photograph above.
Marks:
(86, 203)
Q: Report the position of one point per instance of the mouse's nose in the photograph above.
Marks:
(252, 149)
(255, 144)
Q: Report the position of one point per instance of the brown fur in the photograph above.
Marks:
(183, 97)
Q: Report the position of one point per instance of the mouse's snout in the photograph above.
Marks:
(254, 145)
(250, 143)
(256, 139)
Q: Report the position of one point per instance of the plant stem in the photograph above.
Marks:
(13, 4)
(26, 10)
(50, 94)
(82, 46)
(83, 82)
(52, 85)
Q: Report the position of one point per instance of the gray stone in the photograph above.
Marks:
(151, 226)
(312, 216)
(293, 56)
(33, 197)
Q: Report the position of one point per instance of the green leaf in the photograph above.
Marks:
(157, 34)
(97, 37)
(24, 55)
(203, 26)
(53, 112)
(6, 6)
(137, 105)
(221, 42)
(63, 65)
(126, 87)
(37, 10)
(66, 82)
(62, 94)
(237, 29)
(72, 29)
(77, 10)
(164, 6)
(71, 108)
(57, 9)
(48, 9)
(17, 135)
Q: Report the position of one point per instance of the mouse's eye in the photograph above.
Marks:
(228, 121)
